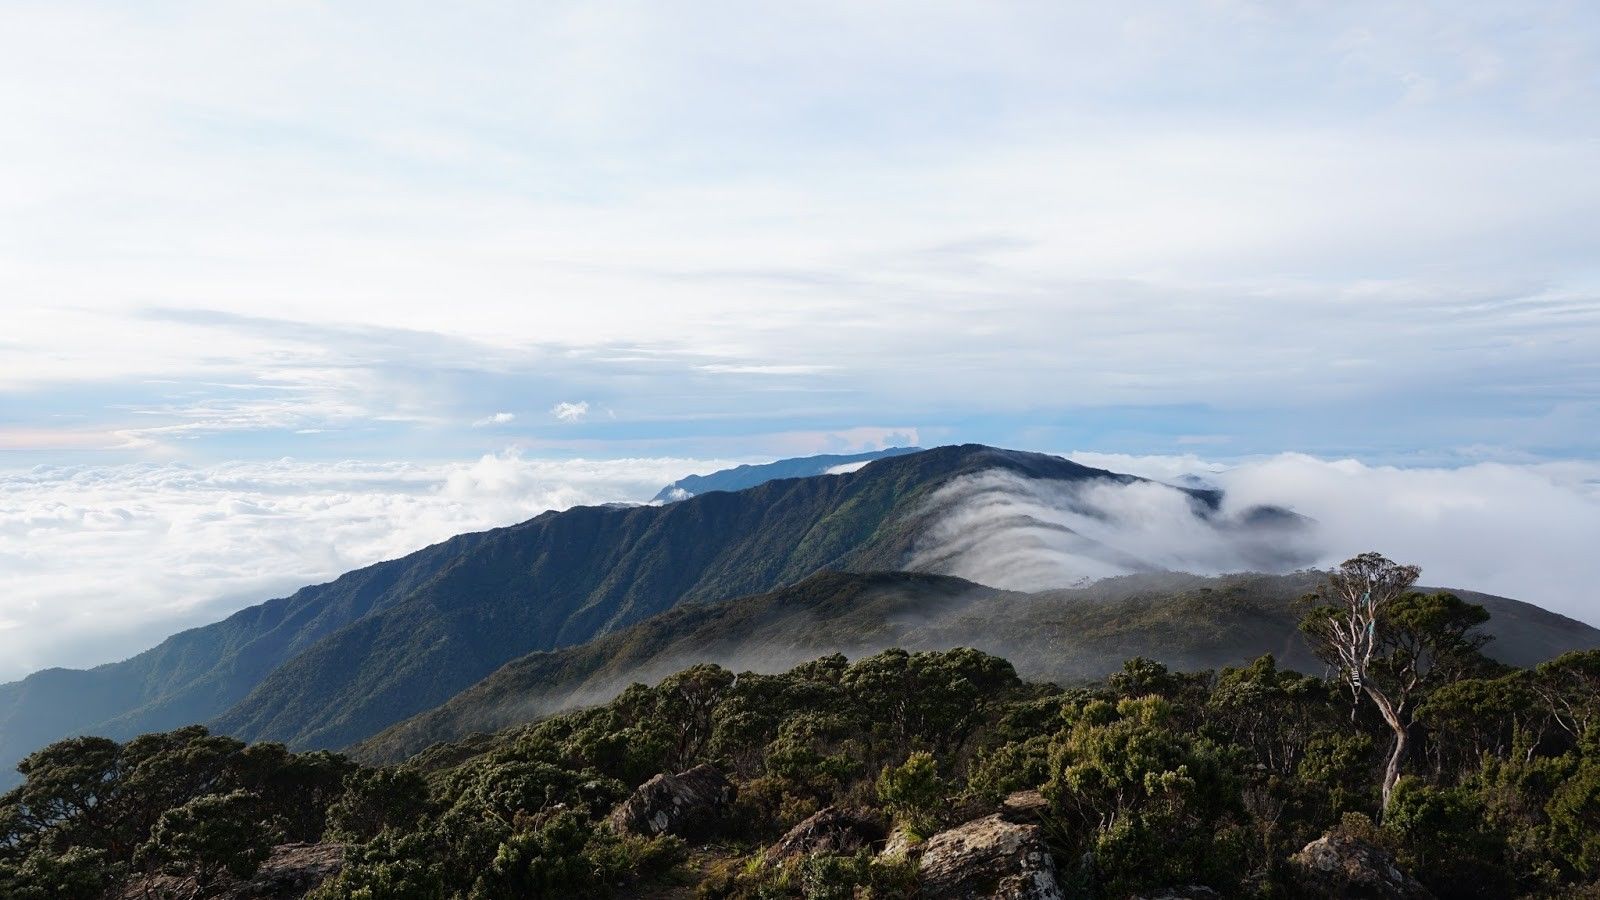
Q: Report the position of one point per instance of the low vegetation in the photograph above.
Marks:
(1150, 779)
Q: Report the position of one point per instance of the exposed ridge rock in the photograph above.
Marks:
(831, 830)
(687, 804)
(1344, 866)
(989, 859)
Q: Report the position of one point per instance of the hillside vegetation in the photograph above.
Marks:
(1068, 636)
(1148, 779)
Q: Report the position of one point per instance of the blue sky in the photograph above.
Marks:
(395, 234)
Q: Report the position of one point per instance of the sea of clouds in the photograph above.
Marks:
(99, 562)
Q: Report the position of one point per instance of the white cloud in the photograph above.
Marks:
(1008, 531)
(570, 412)
(98, 562)
(499, 418)
(846, 468)
(1525, 531)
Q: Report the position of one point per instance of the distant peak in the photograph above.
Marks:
(739, 478)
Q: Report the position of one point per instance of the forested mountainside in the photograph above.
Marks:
(740, 477)
(1077, 636)
(561, 579)
(939, 775)
(337, 662)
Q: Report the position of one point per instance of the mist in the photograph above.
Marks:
(1522, 531)
(1008, 531)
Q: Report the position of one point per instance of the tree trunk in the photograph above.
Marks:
(1402, 739)
(1391, 772)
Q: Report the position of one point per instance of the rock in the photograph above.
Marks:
(989, 858)
(1025, 807)
(831, 830)
(687, 804)
(289, 873)
(1339, 865)
(902, 844)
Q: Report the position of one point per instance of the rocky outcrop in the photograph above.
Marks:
(831, 830)
(1025, 807)
(687, 804)
(291, 872)
(989, 858)
(902, 844)
(1339, 865)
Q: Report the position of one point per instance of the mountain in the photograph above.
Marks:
(563, 578)
(741, 477)
(1187, 622)
(337, 662)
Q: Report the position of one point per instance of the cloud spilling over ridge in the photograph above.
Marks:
(1008, 531)
(98, 562)
(1523, 531)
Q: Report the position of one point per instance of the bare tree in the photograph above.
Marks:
(1349, 631)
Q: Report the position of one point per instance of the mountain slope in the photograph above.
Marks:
(337, 662)
(740, 477)
(200, 673)
(563, 578)
(1188, 622)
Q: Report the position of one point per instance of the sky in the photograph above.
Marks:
(334, 266)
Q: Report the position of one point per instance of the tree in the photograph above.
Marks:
(1390, 643)
(913, 791)
(210, 835)
(375, 799)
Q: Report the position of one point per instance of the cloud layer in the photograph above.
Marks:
(99, 562)
(1523, 531)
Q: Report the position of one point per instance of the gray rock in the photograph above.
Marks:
(989, 859)
(1025, 807)
(687, 804)
(1339, 865)
(831, 830)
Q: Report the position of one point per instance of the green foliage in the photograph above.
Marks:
(1149, 801)
(210, 835)
(816, 877)
(375, 799)
(914, 792)
(1152, 779)
(1574, 812)
(75, 874)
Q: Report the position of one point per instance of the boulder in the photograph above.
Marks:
(831, 830)
(989, 858)
(687, 804)
(1340, 865)
(902, 844)
(1025, 807)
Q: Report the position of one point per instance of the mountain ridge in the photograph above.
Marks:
(747, 476)
(199, 674)
(1074, 635)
